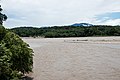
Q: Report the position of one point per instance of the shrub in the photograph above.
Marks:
(16, 57)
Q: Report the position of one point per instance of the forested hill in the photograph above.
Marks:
(68, 31)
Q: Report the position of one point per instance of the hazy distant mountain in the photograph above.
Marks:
(82, 24)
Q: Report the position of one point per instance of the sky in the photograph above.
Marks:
(41, 13)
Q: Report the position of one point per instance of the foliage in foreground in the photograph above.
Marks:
(16, 57)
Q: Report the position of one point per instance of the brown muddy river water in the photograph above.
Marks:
(85, 58)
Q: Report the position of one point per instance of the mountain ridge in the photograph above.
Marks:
(82, 24)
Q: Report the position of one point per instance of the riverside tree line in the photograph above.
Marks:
(68, 31)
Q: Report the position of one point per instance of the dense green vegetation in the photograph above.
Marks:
(16, 58)
(68, 31)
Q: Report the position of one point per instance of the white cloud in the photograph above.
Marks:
(55, 12)
(112, 22)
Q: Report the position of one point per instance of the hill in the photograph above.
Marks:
(82, 24)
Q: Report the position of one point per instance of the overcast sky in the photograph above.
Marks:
(60, 12)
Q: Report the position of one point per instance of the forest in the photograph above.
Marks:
(67, 31)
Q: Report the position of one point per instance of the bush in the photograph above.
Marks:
(16, 57)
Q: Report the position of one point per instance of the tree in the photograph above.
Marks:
(6, 72)
(3, 17)
(16, 58)
(22, 57)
